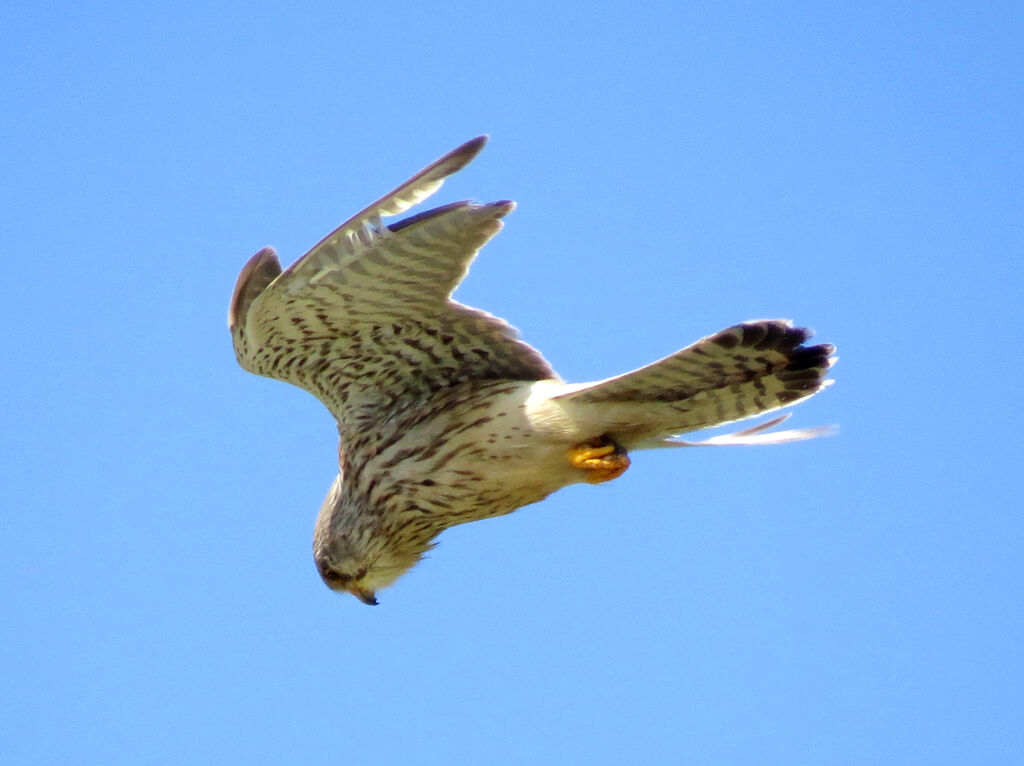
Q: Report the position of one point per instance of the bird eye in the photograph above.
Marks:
(335, 578)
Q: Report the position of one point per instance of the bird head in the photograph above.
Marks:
(347, 583)
(353, 555)
(358, 576)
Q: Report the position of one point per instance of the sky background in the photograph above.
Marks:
(679, 167)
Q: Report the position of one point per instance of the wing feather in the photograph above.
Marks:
(405, 196)
(365, 320)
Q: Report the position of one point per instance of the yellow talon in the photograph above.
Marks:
(603, 461)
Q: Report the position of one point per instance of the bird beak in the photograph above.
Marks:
(368, 597)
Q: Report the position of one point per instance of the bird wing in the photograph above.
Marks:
(365, 322)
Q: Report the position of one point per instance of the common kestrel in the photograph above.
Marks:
(444, 415)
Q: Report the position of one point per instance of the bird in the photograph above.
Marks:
(445, 416)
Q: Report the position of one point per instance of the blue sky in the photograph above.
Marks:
(679, 167)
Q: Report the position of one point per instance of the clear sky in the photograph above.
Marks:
(679, 167)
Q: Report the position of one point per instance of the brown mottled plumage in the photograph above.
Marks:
(444, 415)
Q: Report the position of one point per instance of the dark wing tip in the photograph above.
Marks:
(474, 145)
(504, 207)
(258, 272)
(501, 209)
(426, 215)
(462, 155)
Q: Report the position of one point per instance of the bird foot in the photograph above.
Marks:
(601, 458)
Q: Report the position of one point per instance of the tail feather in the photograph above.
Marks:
(745, 370)
(757, 435)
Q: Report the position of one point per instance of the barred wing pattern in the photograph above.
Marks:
(364, 321)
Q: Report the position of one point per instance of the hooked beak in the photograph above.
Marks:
(368, 597)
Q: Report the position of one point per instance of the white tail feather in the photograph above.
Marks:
(750, 436)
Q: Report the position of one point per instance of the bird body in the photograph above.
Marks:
(444, 415)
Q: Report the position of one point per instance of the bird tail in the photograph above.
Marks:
(745, 370)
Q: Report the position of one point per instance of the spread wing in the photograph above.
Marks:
(365, 321)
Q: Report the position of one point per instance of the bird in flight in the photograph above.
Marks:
(445, 416)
